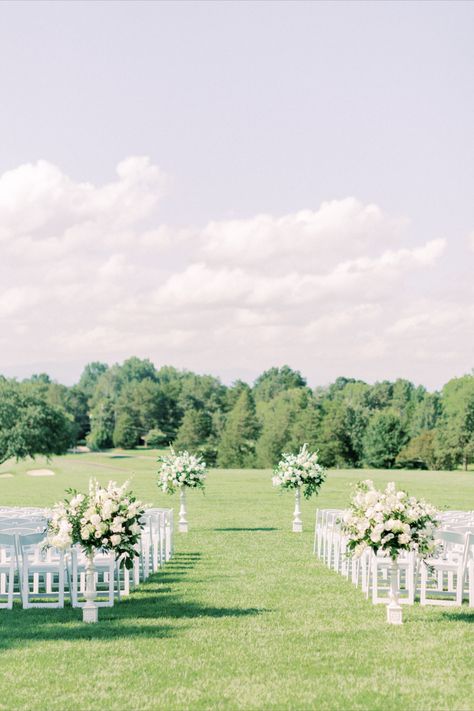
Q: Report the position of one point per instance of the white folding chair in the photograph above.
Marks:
(42, 569)
(8, 568)
(450, 566)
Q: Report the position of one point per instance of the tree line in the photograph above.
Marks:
(351, 423)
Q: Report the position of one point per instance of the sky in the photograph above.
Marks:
(231, 186)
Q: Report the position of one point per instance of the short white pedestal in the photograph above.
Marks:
(183, 522)
(90, 611)
(394, 609)
(297, 522)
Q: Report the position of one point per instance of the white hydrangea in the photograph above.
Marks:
(299, 470)
(181, 469)
(107, 518)
(388, 521)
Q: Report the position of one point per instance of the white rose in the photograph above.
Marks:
(107, 509)
(115, 539)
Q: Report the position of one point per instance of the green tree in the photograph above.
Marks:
(239, 437)
(380, 395)
(288, 421)
(137, 369)
(126, 432)
(102, 424)
(419, 453)
(345, 415)
(275, 380)
(90, 376)
(233, 393)
(384, 438)
(456, 428)
(29, 425)
(426, 413)
(76, 405)
(194, 430)
(404, 398)
(156, 438)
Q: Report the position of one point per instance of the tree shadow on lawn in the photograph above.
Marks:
(262, 528)
(182, 561)
(458, 616)
(126, 620)
(22, 628)
(130, 618)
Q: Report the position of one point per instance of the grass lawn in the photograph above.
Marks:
(243, 617)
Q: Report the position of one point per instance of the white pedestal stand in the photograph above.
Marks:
(394, 609)
(183, 522)
(90, 611)
(297, 522)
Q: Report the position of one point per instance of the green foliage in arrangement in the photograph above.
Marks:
(243, 617)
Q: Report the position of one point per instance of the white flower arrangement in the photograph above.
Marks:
(107, 518)
(181, 469)
(302, 469)
(388, 522)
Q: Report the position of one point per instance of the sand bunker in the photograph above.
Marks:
(40, 472)
(6, 475)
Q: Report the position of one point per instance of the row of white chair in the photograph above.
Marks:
(42, 577)
(445, 579)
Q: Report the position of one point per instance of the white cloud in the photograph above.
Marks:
(338, 230)
(91, 272)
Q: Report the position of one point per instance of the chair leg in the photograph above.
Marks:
(11, 580)
(423, 583)
(459, 587)
(61, 581)
(471, 583)
(112, 583)
(25, 589)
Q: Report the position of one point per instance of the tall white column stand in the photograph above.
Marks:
(297, 522)
(183, 522)
(394, 609)
(90, 611)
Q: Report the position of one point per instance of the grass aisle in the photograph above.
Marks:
(242, 618)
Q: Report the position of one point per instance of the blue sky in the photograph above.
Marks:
(306, 198)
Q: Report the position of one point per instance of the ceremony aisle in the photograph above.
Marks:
(243, 617)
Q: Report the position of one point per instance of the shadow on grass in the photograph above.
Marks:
(148, 613)
(262, 528)
(463, 616)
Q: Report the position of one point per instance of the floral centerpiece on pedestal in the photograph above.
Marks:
(299, 472)
(179, 471)
(106, 519)
(389, 522)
